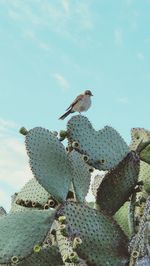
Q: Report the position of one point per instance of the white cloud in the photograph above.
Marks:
(65, 4)
(44, 46)
(61, 80)
(30, 35)
(14, 167)
(118, 37)
(123, 100)
(66, 18)
(140, 56)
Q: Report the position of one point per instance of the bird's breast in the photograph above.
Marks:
(83, 105)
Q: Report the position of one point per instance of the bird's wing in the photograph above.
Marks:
(79, 97)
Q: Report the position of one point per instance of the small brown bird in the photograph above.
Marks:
(81, 104)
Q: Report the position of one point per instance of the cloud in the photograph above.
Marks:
(118, 37)
(123, 100)
(65, 4)
(30, 35)
(14, 167)
(140, 56)
(67, 18)
(61, 80)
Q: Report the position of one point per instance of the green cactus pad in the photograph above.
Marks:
(118, 184)
(145, 175)
(145, 155)
(46, 257)
(33, 191)
(49, 162)
(138, 135)
(21, 231)
(121, 217)
(105, 148)
(2, 212)
(80, 174)
(96, 182)
(103, 241)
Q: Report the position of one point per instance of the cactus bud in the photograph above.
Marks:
(23, 131)
(37, 248)
(63, 229)
(75, 144)
(51, 203)
(135, 254)
(14, 259)
(77, 242)
(85, 158)
(73, 257)
(62, 134)
(46, 206)
(62, 219)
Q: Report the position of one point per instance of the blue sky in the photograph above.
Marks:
(50, 51)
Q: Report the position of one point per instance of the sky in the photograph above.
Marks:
(53, 50)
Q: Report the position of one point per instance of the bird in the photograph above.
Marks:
(81, 104)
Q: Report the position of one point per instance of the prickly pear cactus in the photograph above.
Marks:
(118, 184)
(105, 148)
(50, 222)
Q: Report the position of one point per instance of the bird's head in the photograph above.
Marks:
(88, 92)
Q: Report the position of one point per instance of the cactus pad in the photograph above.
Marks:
(34, 192)
(103, 241)
(80, 174)
(145, 154)
(121, 217)
(2, 212)
(46, 257)
(138, 135)
(49, 162)
(21, 231)
(118, 184)
(105, 148)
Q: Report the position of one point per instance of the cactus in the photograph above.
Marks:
(2, 212)
(50, 222)
(100, 236)
(105, 148)
(21, 231)
(118, 184)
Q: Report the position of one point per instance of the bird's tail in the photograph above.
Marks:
(66, 114)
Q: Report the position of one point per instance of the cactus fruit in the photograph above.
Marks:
(105, 148)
